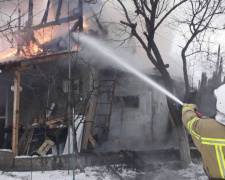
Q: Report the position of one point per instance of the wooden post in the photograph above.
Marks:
(218, 60)
(18, 38)
(30, 14)
(80, 7)
(6, 109)
(16, 104)
(88, 125)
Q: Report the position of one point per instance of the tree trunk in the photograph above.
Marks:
(184, 149)
(175, 111)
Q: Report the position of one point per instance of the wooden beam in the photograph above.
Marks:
(75, 26)
(56, 120)
(88, 125)
(52, 23)
(47, 58)
(92, 141)
(30, 14)
(16, 106)
(80, 7)
(18, 37)
(23, 68)
(58, 12)
(45, 17)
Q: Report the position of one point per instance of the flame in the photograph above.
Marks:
(43, 35)
(32, 50)
(10, 54)
(85, 25)
(75, 47)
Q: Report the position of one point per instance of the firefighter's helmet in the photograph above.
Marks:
(220, 97)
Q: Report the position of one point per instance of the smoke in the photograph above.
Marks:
(108, 22)
(9, 12)
(102, 61)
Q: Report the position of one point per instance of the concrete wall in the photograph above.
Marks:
(6, 160)
(65, 162)
(136, 159)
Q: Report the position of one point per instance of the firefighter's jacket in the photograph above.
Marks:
(209, 137)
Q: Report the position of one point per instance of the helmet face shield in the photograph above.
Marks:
(220, 97)
(215, 94)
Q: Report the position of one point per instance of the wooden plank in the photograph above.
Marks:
(45, 147)
(92, 141)
(55, 120)
(110, 109)
(54, 126)
(16, 103)
(49, 111)
(88, 125)
(25, 141)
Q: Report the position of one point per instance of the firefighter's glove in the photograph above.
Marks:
(189, 106)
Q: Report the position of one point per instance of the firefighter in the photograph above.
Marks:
(209, 135)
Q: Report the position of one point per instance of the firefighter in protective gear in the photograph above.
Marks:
(209, 135)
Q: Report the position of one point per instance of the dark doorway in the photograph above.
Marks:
(3, 104)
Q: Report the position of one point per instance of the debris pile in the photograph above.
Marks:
(42, 135)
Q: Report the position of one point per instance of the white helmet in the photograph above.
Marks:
(220, 104)
(220, 96)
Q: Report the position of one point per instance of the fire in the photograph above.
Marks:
(75, 47)
(43, 35)
(85, 25)
(32, 50)
(9, 54)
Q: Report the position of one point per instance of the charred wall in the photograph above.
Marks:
(140, 118)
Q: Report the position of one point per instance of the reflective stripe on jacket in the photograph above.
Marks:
(209, 137)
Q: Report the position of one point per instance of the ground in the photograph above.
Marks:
(158, 171)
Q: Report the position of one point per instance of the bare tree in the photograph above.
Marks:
(150, 15)
(197, 24)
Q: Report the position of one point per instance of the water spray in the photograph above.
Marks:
(112, 56)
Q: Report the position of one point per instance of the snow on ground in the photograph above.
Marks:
(157, 172)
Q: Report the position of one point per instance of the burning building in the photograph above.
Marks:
(49, 82)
